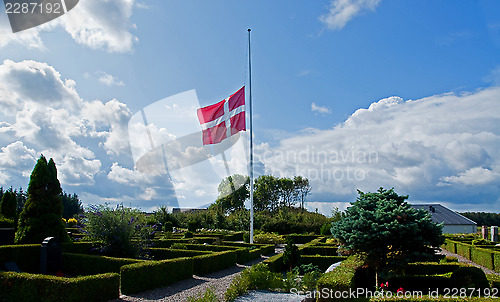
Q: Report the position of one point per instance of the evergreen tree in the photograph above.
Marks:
(71, 205)
(383, 227)
(42, 214)
(8, 205)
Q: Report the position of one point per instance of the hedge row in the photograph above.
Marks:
(206, 264)
(320, 250)
(323, 262)
(81, 264)
(341, 278)
(25, 287)
(302, 239)
(27, 256)
(164, 254)
(488, 258)
(142, 276)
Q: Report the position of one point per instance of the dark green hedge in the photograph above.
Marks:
(320, 250)
(341, 278)
(26, 256)
(430, 268)
(464, 249)
(483, 257)
(164, 254)
(206, 264)
(212, 248)
(301, 239)
(323, 262)
(238, 236)
(25, 287)
(166, 243)
(81, 264)
(77, 247)
(148, 275)
(275, 263)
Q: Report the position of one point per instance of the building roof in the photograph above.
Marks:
(440, 213)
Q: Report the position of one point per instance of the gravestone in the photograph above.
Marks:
(50, 256)
(494, 233)
(484, 232)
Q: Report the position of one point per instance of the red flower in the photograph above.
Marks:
(384, 285)
(400, 290)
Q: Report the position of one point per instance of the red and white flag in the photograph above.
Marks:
(223, 119)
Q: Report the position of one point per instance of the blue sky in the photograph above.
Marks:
(353, 94)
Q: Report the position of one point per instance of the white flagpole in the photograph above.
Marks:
(251, 136)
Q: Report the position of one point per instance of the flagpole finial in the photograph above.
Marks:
(249, 30)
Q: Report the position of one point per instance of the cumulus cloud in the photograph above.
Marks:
(341, 12)
(319, 109)
(50, 117)
(96, 24)
(428, 148)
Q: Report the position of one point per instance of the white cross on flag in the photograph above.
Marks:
(223, 119)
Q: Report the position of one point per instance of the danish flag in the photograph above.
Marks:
(223, 119)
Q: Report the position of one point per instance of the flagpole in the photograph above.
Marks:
(251, 136)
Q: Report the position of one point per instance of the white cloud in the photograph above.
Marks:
(123, 175)
(319, 109)
(342, 11)
(109, 80)
(16, 160)
(98, 24)
(474, 176)
(429, 148)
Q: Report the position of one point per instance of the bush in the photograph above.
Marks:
(188, 234)
(257, 277)
(120, 232)
(80, 264)
(469, 277)
(6, 222)
(325, 229)
(206, 264)
(291, 254)
(178, 246)
(148, 275)
(310, 280)
(341, 278)
(320, 250)
(322, 262)
(164, 254)
(449, 259)
(268, 238)
(168, 226)
(207, 296)
(24, 287)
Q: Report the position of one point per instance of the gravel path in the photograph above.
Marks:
(218, 282)
(465, 260)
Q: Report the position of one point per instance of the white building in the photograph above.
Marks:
(453, 223)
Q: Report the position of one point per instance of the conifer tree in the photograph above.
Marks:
(42, 214)
(8, 205)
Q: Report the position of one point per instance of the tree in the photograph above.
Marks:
(71, 205)
(8, 205)
(287, 192)
(383, 227)
(302, 189)
(233, 191)
(42, 214)
(266, 193)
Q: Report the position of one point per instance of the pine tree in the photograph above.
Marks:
(42, 214)
(8, 205)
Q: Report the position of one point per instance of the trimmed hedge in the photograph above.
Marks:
(25, 287)
(26, 256)
(275, 263)
(464, 250)
(341, 278)
(483, 257)
(320, 250)
(206, 264)
(238, 236)
(323, 262)
(77, 247)
(302, 239)
(164, 254)
(148, 275)
(430, 268)
(81, 264)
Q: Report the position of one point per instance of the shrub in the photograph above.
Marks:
(341, 278)
(188, 234)
(6, 222)
(72, 222)
(207, 296)
(206, 264)
(310, 280)
(257, 277)
(325, 229)
(168, 226)
(449, 259)
(8, 205)
(469, 277)
(291, 254)
(119, 232)
(80, 264)
(148, 275)
(322, 262)
(24, 287)
(268, 238)
(178, 246)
